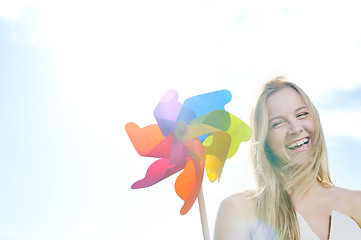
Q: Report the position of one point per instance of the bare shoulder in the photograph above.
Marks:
(236, 213)
(352, 202)
(351, 198)
(354, 199)
(243, 204)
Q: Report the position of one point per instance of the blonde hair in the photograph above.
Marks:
(276, 178)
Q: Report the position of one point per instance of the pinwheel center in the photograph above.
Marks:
(182, 130)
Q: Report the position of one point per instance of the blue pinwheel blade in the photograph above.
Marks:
(200, 105)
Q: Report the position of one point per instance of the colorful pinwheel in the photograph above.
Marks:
(190, 137)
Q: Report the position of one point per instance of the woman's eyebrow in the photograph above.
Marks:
(300, 108)
(269, 121)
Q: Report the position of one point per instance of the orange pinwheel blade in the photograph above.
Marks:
(189, 182)
(149, 141)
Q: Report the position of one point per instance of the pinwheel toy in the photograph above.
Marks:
(191, 136)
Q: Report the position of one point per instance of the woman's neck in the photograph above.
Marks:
(315, 189)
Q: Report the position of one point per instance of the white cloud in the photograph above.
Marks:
(21, 22)
(201, 44)
(13, 9)
(345, 122)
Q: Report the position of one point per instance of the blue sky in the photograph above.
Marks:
(73, 73)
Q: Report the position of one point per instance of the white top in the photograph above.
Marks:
(342, 227)
(263, 232)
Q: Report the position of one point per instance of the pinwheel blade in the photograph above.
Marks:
(163, 168)
(149, 141)
(204, 104)
(225, 121)
(166, 112)
(156, 172)
(240, 132)
(216, 147)
(189, 182)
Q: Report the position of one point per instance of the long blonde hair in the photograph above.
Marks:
(276, 178)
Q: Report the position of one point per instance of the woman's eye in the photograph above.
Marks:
(302, 115)
(276, 124)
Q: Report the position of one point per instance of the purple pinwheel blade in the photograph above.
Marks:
(167, 111)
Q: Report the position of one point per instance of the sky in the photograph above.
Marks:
(73, 73)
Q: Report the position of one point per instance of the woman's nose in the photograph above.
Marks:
(294, 127)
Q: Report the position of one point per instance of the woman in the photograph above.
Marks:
(294, 196)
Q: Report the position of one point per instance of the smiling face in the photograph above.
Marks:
(291, 126)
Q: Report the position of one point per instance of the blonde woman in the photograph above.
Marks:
(294, 196)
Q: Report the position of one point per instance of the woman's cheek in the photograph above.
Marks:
(310, 127)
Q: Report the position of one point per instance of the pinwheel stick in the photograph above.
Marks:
(202, 211)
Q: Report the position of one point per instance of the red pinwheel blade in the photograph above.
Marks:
(164, 168)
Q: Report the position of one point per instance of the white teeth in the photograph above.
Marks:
(298, 143)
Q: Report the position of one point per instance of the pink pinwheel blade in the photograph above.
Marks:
(179, 154)
(156, 172)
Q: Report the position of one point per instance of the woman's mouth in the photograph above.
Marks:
(299, 145)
